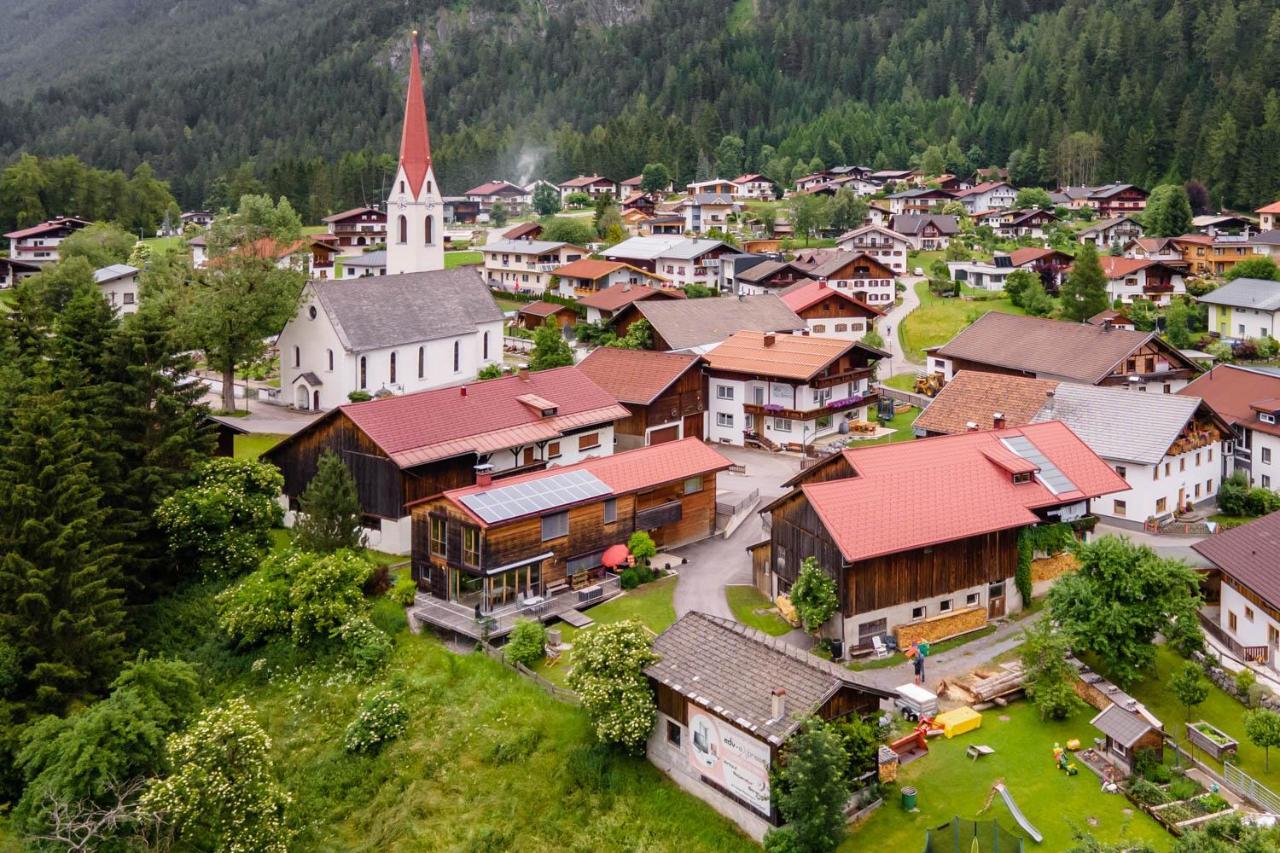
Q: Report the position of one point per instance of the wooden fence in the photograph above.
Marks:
(563, 694)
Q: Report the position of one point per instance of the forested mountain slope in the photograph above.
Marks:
(1152, 89)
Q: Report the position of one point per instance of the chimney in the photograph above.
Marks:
(778, 706)
(463, 390)
(1048, 401)
(523, 373)
(997, 420)
(769, 339)
(970, 426)
(1106, 325)
(484, 475)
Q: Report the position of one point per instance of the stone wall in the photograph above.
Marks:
(941, 627)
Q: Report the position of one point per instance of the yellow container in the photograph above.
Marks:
(958, 721)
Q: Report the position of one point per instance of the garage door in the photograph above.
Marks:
(671, 433)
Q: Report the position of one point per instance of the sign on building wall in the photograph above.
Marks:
(729, 757)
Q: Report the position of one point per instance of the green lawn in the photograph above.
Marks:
(1219, 709)
(508, 304)
(924, 260)
(938, 319)
(652, 605)
(753, 609)
(951, 784)
(901, 424)
(253, 444)
(903, 382)
(1229, 521)
(159, 244)
(462, 259)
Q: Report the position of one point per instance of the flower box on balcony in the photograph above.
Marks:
(846, 402)
(772, 408)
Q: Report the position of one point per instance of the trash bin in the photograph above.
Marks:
(908, 798)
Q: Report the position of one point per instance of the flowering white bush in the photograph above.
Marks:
(221, 793)
(608, 674)
(382, 717)
(365, 646)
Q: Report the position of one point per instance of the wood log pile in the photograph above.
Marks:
(989, 686)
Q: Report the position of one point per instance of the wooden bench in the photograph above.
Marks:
(976, 751)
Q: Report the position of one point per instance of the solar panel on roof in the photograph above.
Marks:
(503, 502)
(1049, 474)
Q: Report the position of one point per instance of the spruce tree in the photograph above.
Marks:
(1084, 293)
(330, 516)
(61, 603)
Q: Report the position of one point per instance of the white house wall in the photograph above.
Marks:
(1200, 481)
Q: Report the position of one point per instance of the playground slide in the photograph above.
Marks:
(1018, 815)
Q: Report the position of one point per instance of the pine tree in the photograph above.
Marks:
(61, 599)
(1084, 293)
(330, 509)
(1168, 212)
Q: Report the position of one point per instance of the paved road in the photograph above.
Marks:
(1165, 545)
(264, 417)
(889, 329)
(717, 562)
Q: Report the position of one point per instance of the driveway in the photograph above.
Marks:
(1165, 545)
(716, 562)
(264, 417)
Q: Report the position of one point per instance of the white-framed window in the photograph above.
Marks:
(724, 392)
(919, 612)
(782, 424)
(724, 419)
(555, 525)
(971, 599)
(693, 485)
(944, 606)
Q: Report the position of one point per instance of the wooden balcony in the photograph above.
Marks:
(831, 408)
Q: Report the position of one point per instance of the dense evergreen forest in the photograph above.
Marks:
(303, 98)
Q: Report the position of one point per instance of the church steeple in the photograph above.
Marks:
(415, 210)
(415, 140)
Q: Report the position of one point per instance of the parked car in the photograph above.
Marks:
(919, 270)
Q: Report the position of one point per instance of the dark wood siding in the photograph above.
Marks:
(378, 480)
(929, 572)
(796, 532)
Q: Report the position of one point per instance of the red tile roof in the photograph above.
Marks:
(935, 490)
(1274, 207)
(493, 187)
(980, 188)
(44, 227)
(804, 295)
(481, 417)
(1249, 554)
(415, 143)
(636, 376)
(590, 268)
(631, 471)
(621, 295)
(1113, 267)
(529, 229)
(1231, 392)
(584, 181)
(1027, 255)
(543, 309)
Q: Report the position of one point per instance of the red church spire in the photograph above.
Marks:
(415, 144)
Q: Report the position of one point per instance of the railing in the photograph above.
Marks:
(725, 508)
(1250, 788)
(554, 690)
(1250, 654)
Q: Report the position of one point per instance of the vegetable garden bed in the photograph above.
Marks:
(1211, 739)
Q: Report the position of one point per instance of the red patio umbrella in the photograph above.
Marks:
(614, 556)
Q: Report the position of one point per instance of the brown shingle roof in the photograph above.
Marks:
(1231, 390)
(1077, 352)
(1250, 554)
(734, 669)
(543, 309)
(636, 376)
(975, 396)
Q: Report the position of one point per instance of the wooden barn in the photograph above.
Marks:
(665, 392)
(403, 449)
(922, 537)
(498, 542)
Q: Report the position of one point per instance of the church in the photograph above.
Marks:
(419, 326)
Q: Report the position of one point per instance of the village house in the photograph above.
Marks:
(392, 334)
(753, 186)
(856, 273)
(1108, 200)
(39, 243)
(587, 276)
(665, 392)
(973, 400)
(355, 230)
(1049, 264)
(13, 271)
(603, 304)
(199, 251)
(119, 286)
(1155, 249)
(1244, 308)
(728, 698)
(682, 260)
(1111, 233)
(1247, 398)
(593, 185)
(520, 543)
(527, 265)
(707, 205)
(533, 315)
(1206, 255)
(921, 537)
(1117, 319)
(1071, 352)
(514, 198)
(1269, 216)
(783, 391)
(768, 276)
(887, 177)
(460, 210)
(888, 247)
(531, 230)
(919, 200)
(1214, 224)
(925, 232)
(1130, 279)
(1266, 243)
(198, 218)
(360, 266)
(532, 187)
(988, 195)
(830, 311)
(1248, 611)
(662, 225)
(1016, 224)
(697, 325)
(403, 449)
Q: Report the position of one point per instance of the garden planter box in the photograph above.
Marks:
(1211, 739)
